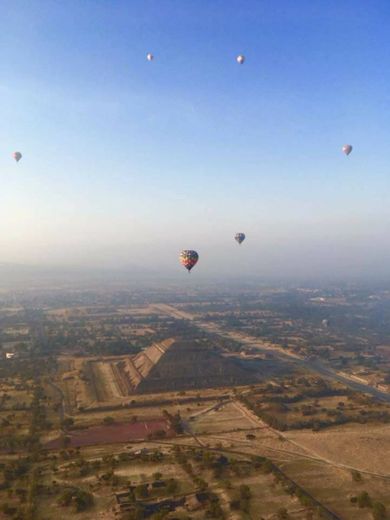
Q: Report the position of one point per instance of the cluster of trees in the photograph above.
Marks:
(15, 469)
(77, 338)
(290, 487)
(82, 467)
(22, 477)
(174, 420)
(214, 509)
(39, 420)
(88, 335)
(145, 490)
(26, 479)
(209, 460)
(11, 440)
(363, 500)
(273, 414)
(79, 499)
(117, 347)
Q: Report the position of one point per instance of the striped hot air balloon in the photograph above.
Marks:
(188, 258)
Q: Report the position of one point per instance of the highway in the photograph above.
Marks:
(315, 366)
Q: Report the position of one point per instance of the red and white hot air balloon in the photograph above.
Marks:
(17, 156)
(347, 149)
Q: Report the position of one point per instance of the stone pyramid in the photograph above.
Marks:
(180, 364)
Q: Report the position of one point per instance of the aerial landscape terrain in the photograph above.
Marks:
(194, 260)
(250, 401)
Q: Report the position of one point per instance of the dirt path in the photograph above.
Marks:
(308, 453)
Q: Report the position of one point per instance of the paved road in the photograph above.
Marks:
(262, 346)
(318, 367)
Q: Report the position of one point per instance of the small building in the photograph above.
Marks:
(9, 355)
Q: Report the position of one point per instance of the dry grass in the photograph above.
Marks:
(334, 487)
(366, 447)
(216, 420)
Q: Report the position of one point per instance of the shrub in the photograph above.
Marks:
(364, 499)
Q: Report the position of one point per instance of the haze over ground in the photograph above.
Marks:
(127, 162)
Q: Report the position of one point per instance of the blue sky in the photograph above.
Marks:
(127, 162)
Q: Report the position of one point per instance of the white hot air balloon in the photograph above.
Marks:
(347, 149)
(240, 59)
(150, 56)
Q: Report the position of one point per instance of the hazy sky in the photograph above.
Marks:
(127, 162)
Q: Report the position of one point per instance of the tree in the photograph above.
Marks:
(172, 486)
(379, 511)
(141, 491)
(67, 423)
(81, 499)
(245, 492)
(267, 466)
(214, 509)
(356, 476)
(282, 514)
(108, 420)
(65, 441)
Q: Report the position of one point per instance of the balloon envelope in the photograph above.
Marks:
(347, 149)
(239, 237)
(188, 258)
(17, 156)
(240, 59)
(150, 56)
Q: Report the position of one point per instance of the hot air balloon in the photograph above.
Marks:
(239, 237)
(150, 56)
(240, 59)
(325, 323)
(17, 156)
(347, 149)
(188, 258)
